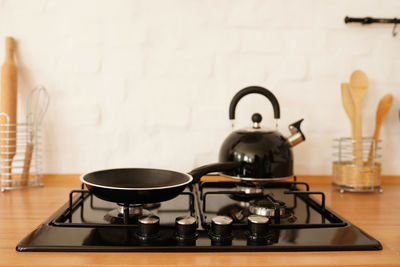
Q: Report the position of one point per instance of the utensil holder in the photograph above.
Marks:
(24, 168)
(357, 166)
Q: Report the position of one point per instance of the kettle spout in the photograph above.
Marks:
(297, 135)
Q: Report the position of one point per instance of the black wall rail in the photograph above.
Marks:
(370, 20)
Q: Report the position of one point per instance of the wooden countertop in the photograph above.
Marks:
(376, 213)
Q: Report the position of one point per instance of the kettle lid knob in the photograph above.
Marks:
(256, 118)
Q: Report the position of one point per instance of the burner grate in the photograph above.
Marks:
(281, 220)
(78, 202)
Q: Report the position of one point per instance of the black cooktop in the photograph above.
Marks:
(210, 216)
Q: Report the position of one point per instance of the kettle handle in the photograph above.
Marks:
(254, 90)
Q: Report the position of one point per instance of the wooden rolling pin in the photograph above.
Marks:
(8, 105)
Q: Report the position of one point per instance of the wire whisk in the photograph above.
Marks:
(38, 103)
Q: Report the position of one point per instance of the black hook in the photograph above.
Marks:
(370, 20)
(394, 33)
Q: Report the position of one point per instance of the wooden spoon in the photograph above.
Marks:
(383, 108)
(358, 90)
(348, 105)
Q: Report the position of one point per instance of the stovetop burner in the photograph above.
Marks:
(126, 214)
(210, 216)
(267, 207)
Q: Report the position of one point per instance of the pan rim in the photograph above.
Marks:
(190, 179)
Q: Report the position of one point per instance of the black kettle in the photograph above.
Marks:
(264, 154)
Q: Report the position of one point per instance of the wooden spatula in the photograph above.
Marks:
(8, 105)
(358, 90)
(383, 108)
(348, 105)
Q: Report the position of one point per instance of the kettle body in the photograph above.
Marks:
(264, 154)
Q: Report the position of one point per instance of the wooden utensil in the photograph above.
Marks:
(8, 105)
(383, 108)
(358, 90)
(348, 105)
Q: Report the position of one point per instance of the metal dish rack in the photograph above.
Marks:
(25, 169)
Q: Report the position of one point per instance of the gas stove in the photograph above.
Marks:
(209, 216)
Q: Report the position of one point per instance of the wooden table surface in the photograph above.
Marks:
(377, 213)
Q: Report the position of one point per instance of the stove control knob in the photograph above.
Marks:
(257, 224)
(148, 225)
(185, 230)
(185, 226)
(221, 225)
(221, 230)
(258, 228)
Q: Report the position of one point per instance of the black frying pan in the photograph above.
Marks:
(141, 186)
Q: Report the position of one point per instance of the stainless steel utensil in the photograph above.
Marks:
(38, 102)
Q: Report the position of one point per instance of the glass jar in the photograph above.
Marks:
(357, 166)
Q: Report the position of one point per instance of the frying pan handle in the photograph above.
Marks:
(215, 167)
(254, 90)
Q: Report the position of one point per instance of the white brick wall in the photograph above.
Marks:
(148, 83)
